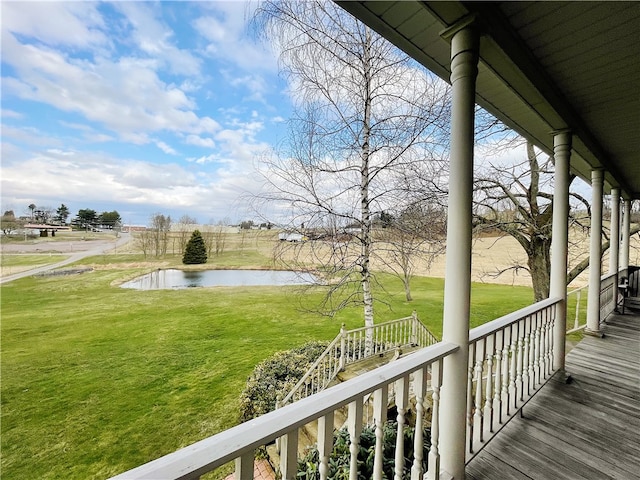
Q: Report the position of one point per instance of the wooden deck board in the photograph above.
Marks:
(586, 429)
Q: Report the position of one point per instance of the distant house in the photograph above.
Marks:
(44, 228)
(291, 237)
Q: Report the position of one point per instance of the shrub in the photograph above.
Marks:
(195, 251)
(340, 457)
(276, 375)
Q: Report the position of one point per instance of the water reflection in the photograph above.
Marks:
(176, 279)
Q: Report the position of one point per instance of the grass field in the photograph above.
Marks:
(97, 379)
(10, 264)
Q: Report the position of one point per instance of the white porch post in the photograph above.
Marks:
(559, 241)
(626, 225)
(457, 290)
(595, 260)
(614, 239)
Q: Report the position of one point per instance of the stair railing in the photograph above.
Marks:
(349, 347)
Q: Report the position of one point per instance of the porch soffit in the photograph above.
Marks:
(544, 66)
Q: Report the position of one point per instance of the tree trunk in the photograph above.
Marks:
(407, 288)
(539, 262)
(364, 203)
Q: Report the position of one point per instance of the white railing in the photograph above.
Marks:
(418, 372)
(608, 295)
(509, 359)
(350, 347)
(578, 315)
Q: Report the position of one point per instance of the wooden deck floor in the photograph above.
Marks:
(586, 429)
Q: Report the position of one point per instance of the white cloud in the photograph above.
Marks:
(61, 153)
(255, 84)
(126, 96)
(204, 159)
(137, 187)
(28, 135)
(225, 28)
(154, 38)
(166, 148)
(11, 114)
(75, 24)
(200, 142)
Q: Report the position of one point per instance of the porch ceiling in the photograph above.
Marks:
(544, 66)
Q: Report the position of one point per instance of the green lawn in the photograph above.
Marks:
(97, 379)
(11, 264)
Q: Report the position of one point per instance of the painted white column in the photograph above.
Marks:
(559, 241)
(626, 225)
(595, 255)
(457, 289)
(614, 237)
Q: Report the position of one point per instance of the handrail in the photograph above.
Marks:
(608, 295)
(510, 358)
(577, 292)
(238, 442)
(491, 327)
(349, 347)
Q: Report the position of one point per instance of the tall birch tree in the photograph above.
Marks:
(363, 112)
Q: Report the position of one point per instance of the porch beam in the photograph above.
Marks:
(464, 39)
(559, 241)
(595, 255)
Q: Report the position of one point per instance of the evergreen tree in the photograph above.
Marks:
(196, 251)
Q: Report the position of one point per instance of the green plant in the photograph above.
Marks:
(276, 375)
(340, 458)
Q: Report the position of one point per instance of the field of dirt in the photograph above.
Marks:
(67, 243)
(490, 254)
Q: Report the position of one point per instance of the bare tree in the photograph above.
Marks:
(363, 112)
(219, 238)
(144, 240)
(417, 234)
(185, 227)
(9, 223)
(158, 233)
(517, 200)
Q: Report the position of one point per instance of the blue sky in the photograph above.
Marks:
(139, 107)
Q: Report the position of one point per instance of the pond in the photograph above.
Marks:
(177, 279)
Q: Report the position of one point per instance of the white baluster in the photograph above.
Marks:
(526, 353)
(343, 347)
(576, 322)
(536, 352)
(513, 399)
(325, 443)
(477, 404)
(419, 389)
(497, 395)
(380, 402)
(520, 348)
(244, 467)
(489, 394)
(289, 455)
(531, 361)
(402, 399)
(433, 472)
(354, 425)
(550, 323)
(470, 370)
(506, 404)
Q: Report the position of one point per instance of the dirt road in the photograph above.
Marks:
(77, 250)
